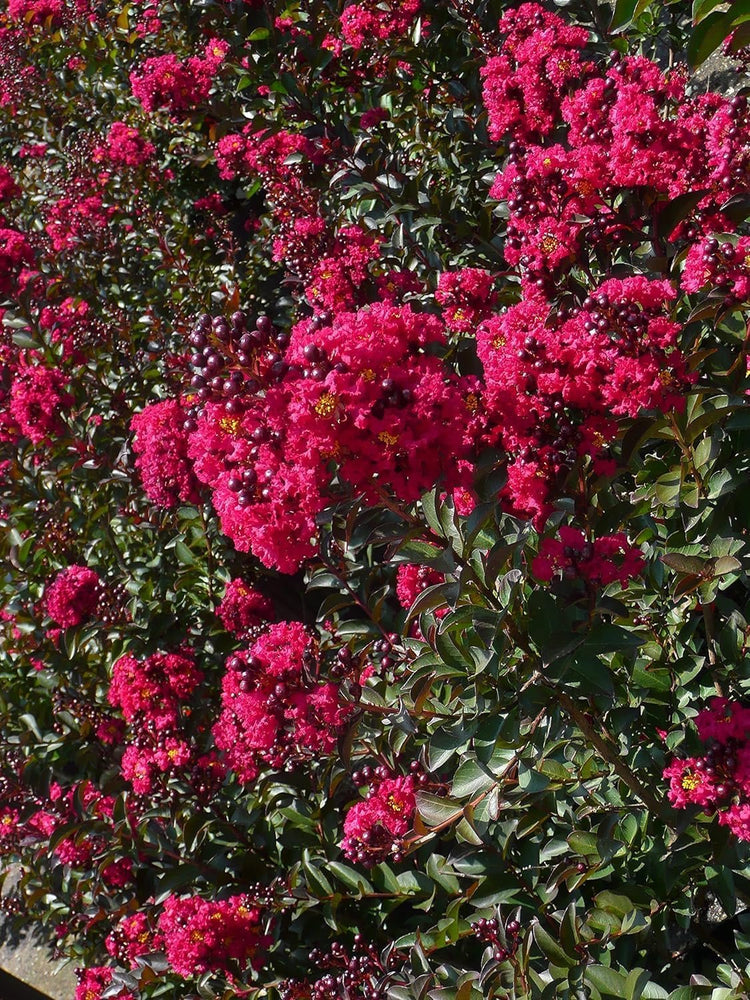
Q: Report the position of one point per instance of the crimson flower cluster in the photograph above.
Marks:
(717, 781)
(153, 695)
(62, 810)
(38, 400)
(167, 82)
(602, 561)
(576, 371)
(161, 447)
(375, 828)
(275, 710)
(74, 596)
(95, 981)
(360, 398)
(133, 937)
(243, 608)
(124, 146)
(202, 935)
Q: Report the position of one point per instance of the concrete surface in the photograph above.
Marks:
(28, 959)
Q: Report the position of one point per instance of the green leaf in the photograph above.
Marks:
(551, 949)
(708, 36)
(701, 8)
(470, 779)
(607, 981)
(317, 882)
(184, 554)
(437, 811)
(623, 14)
(584, 843)
(677, 210)
(612, 902)
(349, 876)
(693, 565)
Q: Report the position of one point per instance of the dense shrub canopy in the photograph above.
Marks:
(374, 491)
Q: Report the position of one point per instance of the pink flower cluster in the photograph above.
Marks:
(153, 695)
(70, 324)
(262, 152)
(539, 58)
(467, 297)
(167, 82)
(274, 707)
(36, 11)
(629, 127)
(133, 937)
(74, 596)
(602, 561)
(74, 220)
(374, 829)
(63, 810)
(161, 445)
(15, 255)
(412, 579)
(361, 400)
(8, 187)
(124, 146)
(37, 401)
(94, 981)
(719, 780)
(555, 378)
(243, 608)
(369, 22)
(339, 277)
(10, 829)
(153, 689)
(202, 935)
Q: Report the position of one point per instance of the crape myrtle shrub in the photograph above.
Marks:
(374, 498)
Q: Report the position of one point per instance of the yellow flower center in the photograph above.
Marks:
(388, 439)
(690, 781)
(230, 424)
(326, 405)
